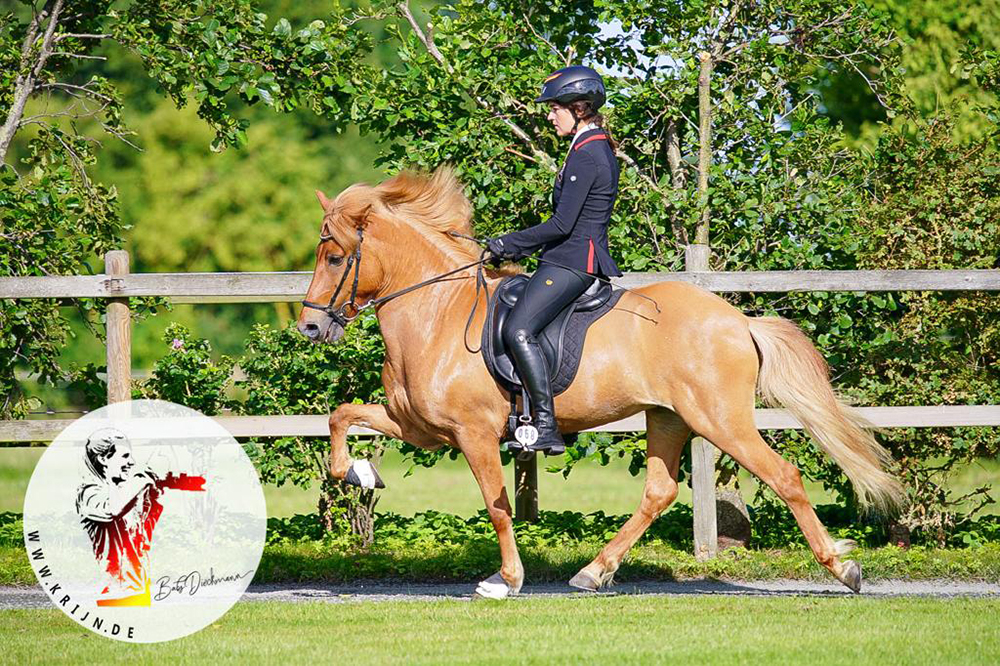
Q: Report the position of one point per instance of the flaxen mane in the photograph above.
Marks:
(435, 202)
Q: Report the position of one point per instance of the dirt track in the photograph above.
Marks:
(34, 597)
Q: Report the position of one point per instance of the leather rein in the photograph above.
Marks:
(339, 314)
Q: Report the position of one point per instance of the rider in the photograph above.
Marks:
(575, 237)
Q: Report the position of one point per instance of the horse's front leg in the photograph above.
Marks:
(483, 455)
(357, 472)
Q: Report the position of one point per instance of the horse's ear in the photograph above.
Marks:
(324, 201)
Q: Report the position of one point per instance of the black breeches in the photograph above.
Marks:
(548, 291)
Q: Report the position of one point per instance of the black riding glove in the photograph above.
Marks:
(497, 251)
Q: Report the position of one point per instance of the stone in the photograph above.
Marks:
(732, 518)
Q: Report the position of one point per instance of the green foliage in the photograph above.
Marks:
(51, 221)
(774, 527)
(221, 52)
(785, 192)
(11, 529)
(933, 203)
(188, 375)
(940, 46)
(287, 374)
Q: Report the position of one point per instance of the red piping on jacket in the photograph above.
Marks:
(590, 256)
(589, 139)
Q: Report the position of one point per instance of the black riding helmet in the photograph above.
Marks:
(572, 83)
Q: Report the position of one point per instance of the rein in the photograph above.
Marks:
(339, 314)
(570, 268)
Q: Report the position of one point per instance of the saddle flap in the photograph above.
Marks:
(561, 341)
(511, 290)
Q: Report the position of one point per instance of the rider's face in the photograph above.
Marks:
(561, 118)
(118, 466)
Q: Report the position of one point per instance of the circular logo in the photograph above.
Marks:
(144, 521)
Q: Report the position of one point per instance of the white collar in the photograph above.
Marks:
(585, 128)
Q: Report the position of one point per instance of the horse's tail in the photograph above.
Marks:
(795, 375)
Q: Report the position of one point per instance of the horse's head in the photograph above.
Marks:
(332, 297)
(401, 229)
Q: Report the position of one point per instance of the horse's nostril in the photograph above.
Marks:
(309, 330)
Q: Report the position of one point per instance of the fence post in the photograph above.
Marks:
(118, 326)
(526, 489)
(706, 536)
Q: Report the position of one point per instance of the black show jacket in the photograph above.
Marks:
(585, 191)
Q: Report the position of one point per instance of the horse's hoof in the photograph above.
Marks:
(362, 473)
(852, 576)
(494, 587)
(584, 580)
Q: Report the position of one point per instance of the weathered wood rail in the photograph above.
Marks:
(309, 425)
(291, 286)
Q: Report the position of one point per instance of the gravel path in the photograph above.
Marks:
(34, 597)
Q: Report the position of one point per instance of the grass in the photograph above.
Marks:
(449, 487)
(579, 630)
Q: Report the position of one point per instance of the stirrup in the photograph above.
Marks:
(529, 436)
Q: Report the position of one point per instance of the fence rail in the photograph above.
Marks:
(117, 284)
(308, 425)
(291, 286)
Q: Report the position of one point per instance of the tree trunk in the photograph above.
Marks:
(705, 144)
(677, 178)
(346, 508)
(30, 72)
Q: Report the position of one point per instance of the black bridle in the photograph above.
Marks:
(339, 314)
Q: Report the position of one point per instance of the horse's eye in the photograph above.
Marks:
(334, 260)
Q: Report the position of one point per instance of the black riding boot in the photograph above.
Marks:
(534, 373)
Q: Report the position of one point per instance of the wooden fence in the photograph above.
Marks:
(117, 284)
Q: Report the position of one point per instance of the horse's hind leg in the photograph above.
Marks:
(738, 436)
(666, 434)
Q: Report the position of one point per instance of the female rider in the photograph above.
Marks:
(574, 241)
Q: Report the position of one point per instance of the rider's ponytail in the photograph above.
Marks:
(584, 111)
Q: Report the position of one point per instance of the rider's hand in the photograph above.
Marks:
(497, 251)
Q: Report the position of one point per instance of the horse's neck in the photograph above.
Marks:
(426, 320)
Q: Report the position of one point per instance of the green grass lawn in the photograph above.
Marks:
(449, 487)
(577, 630)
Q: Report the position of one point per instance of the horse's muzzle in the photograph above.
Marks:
(324, 330)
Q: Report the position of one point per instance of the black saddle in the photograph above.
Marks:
(561, 341)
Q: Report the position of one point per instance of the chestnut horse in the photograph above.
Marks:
(694, 366)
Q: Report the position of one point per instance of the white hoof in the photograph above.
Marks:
(362, 473)
(494, 587)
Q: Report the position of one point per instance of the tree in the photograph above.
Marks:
(55, 217)
(780, 190)
(934, 38)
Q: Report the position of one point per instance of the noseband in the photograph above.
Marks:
(339, 314)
